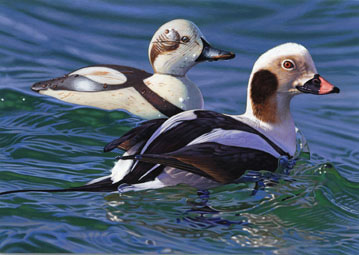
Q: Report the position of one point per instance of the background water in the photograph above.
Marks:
(45, 143)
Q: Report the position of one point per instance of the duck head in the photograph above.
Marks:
(278, 75)
(178, 45)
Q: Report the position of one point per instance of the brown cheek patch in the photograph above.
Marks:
(263, 89)
(164, 43)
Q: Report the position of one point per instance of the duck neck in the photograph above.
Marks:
(166, 76)
(273, 116)
(171, 66)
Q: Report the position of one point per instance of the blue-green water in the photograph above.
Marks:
(45, 143)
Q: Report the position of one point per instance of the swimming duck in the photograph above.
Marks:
(204, 148)
(177, 46)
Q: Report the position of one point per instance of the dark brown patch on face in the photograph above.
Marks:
(263, 88)
(167, 41)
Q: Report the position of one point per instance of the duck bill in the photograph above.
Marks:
(318, 86)
(212, 54)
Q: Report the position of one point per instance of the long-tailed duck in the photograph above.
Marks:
(176, 47)
(204, 148)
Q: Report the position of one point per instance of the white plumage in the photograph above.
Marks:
(175, 48)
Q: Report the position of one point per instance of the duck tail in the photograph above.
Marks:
(104, 185)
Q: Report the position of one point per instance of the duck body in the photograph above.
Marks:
(174, 49)
(207, 149)
(112, 87)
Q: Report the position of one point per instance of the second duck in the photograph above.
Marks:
(177, 46)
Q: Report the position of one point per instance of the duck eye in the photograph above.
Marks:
(185, 39)
(288, 64)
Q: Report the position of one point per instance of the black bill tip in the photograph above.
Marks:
(335, 90)
(212, 54)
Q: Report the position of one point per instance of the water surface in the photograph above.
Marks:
(46, 143)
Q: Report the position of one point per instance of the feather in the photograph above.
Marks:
(135, 135)
(218, 162)
(104, 185)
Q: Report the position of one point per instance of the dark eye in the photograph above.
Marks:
(185, 39)
(288, 64)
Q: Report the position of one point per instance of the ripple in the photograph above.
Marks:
(45, 143)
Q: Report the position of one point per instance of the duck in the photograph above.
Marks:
(205, 149)
(175, 48)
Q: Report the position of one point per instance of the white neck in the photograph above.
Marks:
(283, 129)
(176, 63)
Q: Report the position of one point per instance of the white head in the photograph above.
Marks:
(178, 45)
(278, 75)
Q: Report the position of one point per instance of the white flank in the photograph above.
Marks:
(123, 167)
(127, 98)
(236, 138)
(155, 184)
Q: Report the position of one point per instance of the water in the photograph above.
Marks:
(45, 143)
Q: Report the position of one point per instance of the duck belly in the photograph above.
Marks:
(127, 98)
(173, 176)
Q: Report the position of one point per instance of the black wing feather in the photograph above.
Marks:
(215, 161)
(135, 135)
